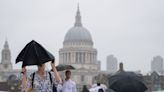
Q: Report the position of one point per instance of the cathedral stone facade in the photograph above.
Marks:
(78, 51)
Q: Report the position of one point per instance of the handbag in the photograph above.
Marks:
(30, 89)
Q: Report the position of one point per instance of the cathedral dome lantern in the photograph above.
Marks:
(78, 33)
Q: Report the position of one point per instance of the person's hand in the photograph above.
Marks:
(57, 77)
(53, 65)
(24, 70)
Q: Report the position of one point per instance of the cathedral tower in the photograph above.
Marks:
(6, 58)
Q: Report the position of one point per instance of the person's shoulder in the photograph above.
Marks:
(30, 75)
(98, 87)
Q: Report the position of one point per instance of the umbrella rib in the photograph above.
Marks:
(27, 51)
(34, 54)
(23, 54)
(37, 54)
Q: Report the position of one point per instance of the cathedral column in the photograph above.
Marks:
(78, 54)
(91, 58)
(82, 59)
(72, 59)
(94, 58)
(69, 57)
(60, 58)
(86, 58)
(65, 58)
(76, 57)
(67, 54)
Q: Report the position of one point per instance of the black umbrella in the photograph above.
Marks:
(126, 82)
(34, 54)
(62, 67)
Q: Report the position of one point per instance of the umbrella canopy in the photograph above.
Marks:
(34, 54)
(62, 67)
(126, 82)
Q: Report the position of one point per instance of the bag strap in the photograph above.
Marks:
(32, 81)
(33, 76)
(50, 76)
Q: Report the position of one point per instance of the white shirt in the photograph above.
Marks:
(95, 89)
(69, 86)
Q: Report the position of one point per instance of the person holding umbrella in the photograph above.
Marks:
(41, 80)
(124, 81)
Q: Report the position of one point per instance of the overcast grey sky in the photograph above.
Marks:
(131, 30)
